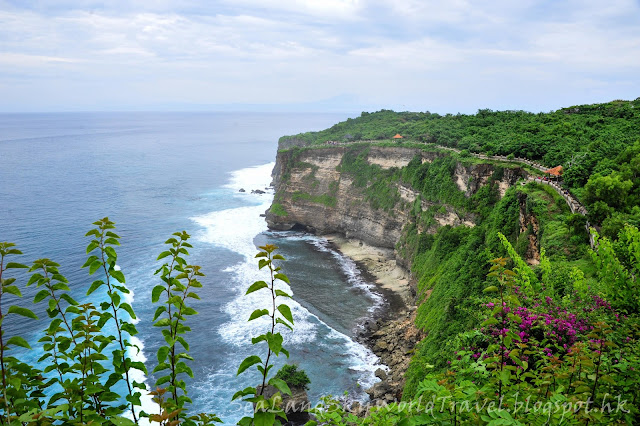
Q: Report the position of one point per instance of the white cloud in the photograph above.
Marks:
(423, 52)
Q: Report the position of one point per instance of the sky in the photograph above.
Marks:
(317, 55)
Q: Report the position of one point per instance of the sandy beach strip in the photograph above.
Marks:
(379, 262)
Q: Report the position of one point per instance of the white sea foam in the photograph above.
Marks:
(235, 230)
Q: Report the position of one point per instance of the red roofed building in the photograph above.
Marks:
(556, 172)
(397, 136)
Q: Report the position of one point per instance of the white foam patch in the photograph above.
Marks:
(251, 179)
(348, 267)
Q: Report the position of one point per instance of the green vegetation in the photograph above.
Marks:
(293, 377)
(267, 411)
(324, 199)
(278, 209)
(533, 355)
(598, 146)
(75, 346)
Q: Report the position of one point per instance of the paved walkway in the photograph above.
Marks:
(573, 203)
(571, 200)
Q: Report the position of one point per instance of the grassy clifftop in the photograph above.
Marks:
(598, 145)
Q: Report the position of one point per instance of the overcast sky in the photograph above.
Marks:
(353, 55)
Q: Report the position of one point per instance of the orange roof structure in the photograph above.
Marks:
(556, 171)
(397, 136)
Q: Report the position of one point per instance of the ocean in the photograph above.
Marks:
(157, 173)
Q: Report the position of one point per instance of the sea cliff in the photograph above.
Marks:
(372, 201)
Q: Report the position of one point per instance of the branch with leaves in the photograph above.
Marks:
(267, 411)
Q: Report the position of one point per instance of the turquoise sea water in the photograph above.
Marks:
(157, 173)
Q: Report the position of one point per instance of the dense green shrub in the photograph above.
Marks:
(293, 377)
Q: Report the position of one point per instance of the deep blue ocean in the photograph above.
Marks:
(157, 173)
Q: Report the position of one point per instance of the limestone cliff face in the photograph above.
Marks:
(313, 194)
(529, 228)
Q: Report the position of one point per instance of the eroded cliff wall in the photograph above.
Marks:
(316, 191)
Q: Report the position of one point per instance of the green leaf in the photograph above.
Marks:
(286, 312)
(118, 275)
(163, 351)
(257, 286)
(59, 277)
(283, 322)
(156, 293)
(95, 265)
(18, 341)
(115, 298)
(12, 289)
(164, 322)
(161, 367)
(40, 296)
(189, 311)
(505, 376)
(159, 312)
(163, 255)
(14, 265)
(244, 392)
(275, 342)
(193, 295)
(67, 298)
(282, 277)
(94, 286)
(21, 311)
(282, 293)
(264, 418)
(280, 384)
(258, 313)
(278, 257)
(183, 342)
(127, 307)
(489, 321)
(35, 277)
(111, 252)
(181, 367)
(490, 289)
(92, 246)
(248, 362)
(121, 421)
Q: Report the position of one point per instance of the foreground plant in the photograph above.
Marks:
(180, 281)
(76, 385)
(267, 411)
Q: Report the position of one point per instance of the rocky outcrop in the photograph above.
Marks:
(295, 405)
(394, 344)
(530, 227)
(469, 178)
(312, 194)
(316, 196)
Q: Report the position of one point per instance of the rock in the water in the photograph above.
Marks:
(381, 374)
(295, 406)
(242, 190)
(257, 191)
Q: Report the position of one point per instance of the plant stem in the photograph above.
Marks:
(4, 374)
(115, 317)
(273, 323)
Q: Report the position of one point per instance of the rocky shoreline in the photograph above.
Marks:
(392, 335)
